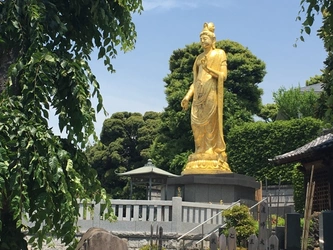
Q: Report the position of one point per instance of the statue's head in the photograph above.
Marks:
(208, 30)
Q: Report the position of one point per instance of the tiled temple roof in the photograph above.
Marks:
(317, 88)
(321, 142)
(147, 169)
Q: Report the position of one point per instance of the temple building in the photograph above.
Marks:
(319, 154)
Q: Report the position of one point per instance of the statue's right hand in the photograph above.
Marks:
(184, 103)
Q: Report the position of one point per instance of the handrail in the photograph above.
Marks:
(233, 204)
(258, 203)
(210, 233)
(214, 230)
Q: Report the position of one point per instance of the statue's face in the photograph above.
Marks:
(206, 41)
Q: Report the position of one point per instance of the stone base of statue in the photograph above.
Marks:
(213, 188)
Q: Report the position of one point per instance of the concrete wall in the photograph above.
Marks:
(280, 199)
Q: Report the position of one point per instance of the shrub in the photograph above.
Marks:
(252, 144)
(280, 221)
(239, 218)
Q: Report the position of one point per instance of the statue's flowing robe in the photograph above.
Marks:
(207, 105)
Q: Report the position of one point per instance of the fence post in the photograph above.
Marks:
(262, 239)
(213, 242)
(176, 214)
(293, 232)
(325, 230)
(160, 235)
(151, 236)
(232, 239)
(97, 217)
(222, 242)
(273, 242)
(253, 242)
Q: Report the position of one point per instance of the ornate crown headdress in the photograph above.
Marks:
(208, 28)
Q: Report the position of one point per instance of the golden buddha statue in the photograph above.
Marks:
(206, 92)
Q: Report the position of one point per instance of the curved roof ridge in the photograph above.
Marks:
(314, 145)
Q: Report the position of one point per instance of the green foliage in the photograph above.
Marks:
(299, 191)
(239, 217)
(242, 99)
(252, 144)
(42, 176)
(44, 53)
(313, 237)
(233, 113)
(279, 221)
(314, 80)
(293, 103)
(313, 240)
(310, 8)
(245, 72)
(326, 97)
(125, 145)
(268, 112)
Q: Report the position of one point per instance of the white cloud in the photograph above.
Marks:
(166, 4)
(182, 4)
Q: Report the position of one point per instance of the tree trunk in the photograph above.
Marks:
(12, 234)
(7, 57)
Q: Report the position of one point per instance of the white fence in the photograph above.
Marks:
(175, 216)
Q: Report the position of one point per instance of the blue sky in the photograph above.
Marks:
(267, 28)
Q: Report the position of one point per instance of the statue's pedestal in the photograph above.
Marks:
(228, 187)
